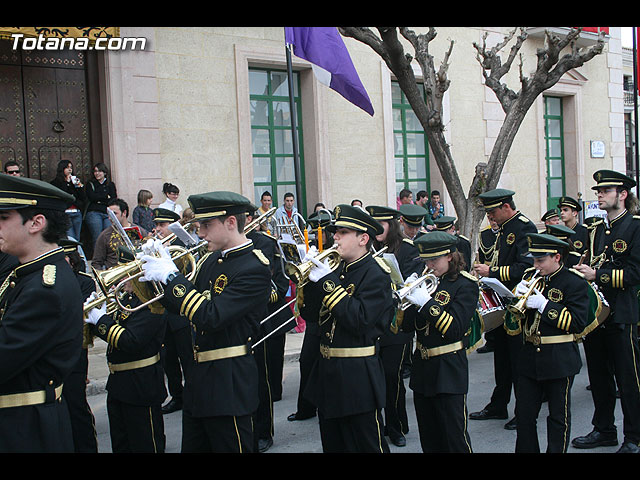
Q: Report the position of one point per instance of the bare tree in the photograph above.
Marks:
(549, 69)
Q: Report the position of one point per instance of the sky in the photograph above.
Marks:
(627, 37)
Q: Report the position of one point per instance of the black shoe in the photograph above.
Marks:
(484, 349)
(264, 444)
(511, 424)
(485, 414)
(628, 447)
(399, 441)
(594, 439)
(173, 406)
(299, 416)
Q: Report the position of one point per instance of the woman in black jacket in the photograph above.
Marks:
(65, 180)
(99, 191)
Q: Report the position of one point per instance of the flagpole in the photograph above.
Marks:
(635, 109)
(294, 132)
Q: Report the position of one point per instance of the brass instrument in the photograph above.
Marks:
(427, 277)
(256, 222)
(299, 274)
(291, 228)
(520, 307)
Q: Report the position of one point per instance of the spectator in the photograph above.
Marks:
(266, 202)
(99, 191)
(105, 254)
(436, 209)
(422, 198)
(356, 203)
(143, 213)
(66, 181)
(406, 197)
(287, 211)
(172, 192)
(12, 168)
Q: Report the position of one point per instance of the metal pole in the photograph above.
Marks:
(294, 130)
(635, 111)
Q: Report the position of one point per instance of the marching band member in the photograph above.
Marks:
(40, 318)
(447, 224)
(566, 234)
(224, 305)
(556, 309)
(570, 210)
(440, 371)
(135, 386)
(353, 306)
(615, 269)
(510, 264)
(411, 220)
(395, 345)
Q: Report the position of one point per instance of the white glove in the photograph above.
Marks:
(522, 288)
(319, 269)
(157, 268)
(96, 313)
(312, 252)
(419, 296)
(150, 247)
(537, 301)
(411, 278)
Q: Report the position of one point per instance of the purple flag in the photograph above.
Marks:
(324, 49)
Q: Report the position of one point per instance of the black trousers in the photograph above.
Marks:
(177, 358)
(361, 433)
(613, 356)
(309, 354)
(83, 423)
(529, 399)
(225, 434)
(442, 423)
(505, 360)
(395, 410)
(275, 363)
(135, 428)
(263, 417)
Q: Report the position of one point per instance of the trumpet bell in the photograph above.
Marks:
(431, 282)
(299, 274)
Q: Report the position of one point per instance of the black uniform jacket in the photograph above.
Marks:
(353, 307)
(443, 320)
(512, 246)
(133, 337)
(279, 285)
(464, 247)
(40, 341)
(619, 275)
(175, 321)
(580, 239)
(566, 312)
(225, 305)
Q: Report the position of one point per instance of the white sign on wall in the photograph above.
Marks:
(591, 209)
(597, 149)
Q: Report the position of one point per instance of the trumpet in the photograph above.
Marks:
(256, 222)
(520, 307)
(299, 274)
(113, 280)
(427, 278)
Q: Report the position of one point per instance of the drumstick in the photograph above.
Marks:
(582, 257)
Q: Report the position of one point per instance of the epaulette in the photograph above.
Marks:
(523, 219)
(637, 217)
(576, 272)
(268, 235)
(383, 264)
(485, 228)
(465, 238)
(577, 254)
(466, 274)
(85, 274)
(261, 256)
(408, 240)
(49, 275)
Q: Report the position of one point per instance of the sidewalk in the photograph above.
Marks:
(98, 370)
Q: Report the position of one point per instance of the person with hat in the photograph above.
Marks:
(40, 318)
(412, 219)
(508, 265)
(224, 304)
(75, 386)
(486, 250)
(177, 354)
(551, 217)
(395, 345)
(572, 255)
(353, 307)
(556, 303)
(135, 385)
(448, 224)
(615, 269)
(310, 350)
(440, 370)
(570, 210)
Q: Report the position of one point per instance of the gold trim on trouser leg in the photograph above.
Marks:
(375, 413)
(235, 424)
(466, 416)
(566, 417)
(404, 348)
(635, 369)
(153, 436)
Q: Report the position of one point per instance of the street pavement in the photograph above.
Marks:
(487, 436)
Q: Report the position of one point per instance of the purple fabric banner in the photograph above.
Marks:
(324, 47)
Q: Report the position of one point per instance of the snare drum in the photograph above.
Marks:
(490, 308)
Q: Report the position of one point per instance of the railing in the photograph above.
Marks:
(628, 98)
